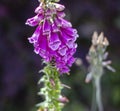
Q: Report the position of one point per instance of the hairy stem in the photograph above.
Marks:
(96, 97)
(98, 93)
(51, 90)
(94, 105)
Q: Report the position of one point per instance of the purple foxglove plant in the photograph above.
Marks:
(54, 36)
(54, 40)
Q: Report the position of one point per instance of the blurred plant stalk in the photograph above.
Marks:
(97, 59)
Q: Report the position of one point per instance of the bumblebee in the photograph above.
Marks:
(53, 62)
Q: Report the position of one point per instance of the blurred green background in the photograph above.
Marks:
(19, 65)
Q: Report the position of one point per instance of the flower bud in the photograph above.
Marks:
(94, 38)
(63, 100)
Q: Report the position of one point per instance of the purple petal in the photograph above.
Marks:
(50, 12)
(70, 44)
(52, 54)
(62, 50)
(55, 28)
(58, 22)
(64, 69)
(59, 62)
(61, 14)
(68, 40)
(54, 41)
(65, 23)
(68, 55)
(70, 61)
(35, 35)
(71, 51)
(70, 31)
(39, 10)
(46, 27)
(36, 50)
(34, 20)
(59, 7)
(42, 45)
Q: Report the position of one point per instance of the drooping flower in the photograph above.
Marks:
(54, 36)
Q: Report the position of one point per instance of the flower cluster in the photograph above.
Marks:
(54, 38)
(97, 57)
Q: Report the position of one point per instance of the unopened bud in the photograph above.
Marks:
(63, 100)
(100, 38)
(52, 82)
(105, 42)
(94, 38)
(78, 62)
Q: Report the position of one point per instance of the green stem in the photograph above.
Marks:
(98, 93)
(51, 90)
(96, 98)
(94, 105)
